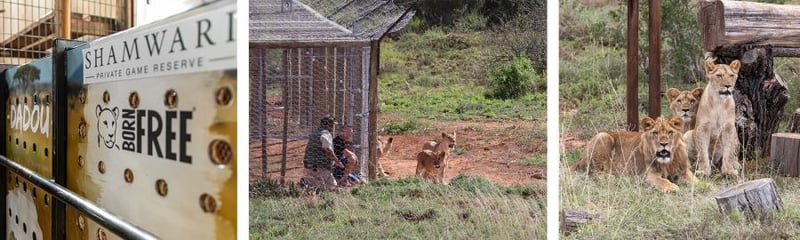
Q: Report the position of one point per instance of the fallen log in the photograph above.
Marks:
(728, 25)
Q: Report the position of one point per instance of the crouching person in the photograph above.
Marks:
(319, 157)
(342, 148)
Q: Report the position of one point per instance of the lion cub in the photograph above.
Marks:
(715, 131)
(429, 164)
(657, 152)
(447, 143)
(383, 149)
(684, 105)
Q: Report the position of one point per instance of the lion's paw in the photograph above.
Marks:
(669, 187)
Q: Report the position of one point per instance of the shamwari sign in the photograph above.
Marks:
(204, 42)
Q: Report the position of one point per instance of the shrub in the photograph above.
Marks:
(514, 79)
(406, 127)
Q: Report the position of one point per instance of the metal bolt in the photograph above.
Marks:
(101, 234)
(101, 166)
(82, 129)
(106, 97)
(81, 223)
(208, 203)
(161, 187)
(171, 99)
(46, 200)
(224, 96)
(82, 96)
(133, 99)
(80, 161)
(221, 152)
(128, 175)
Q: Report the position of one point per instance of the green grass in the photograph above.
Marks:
(442, 74)
(468, 208)
(631, 208)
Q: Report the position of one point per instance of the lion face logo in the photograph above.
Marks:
(107, 125)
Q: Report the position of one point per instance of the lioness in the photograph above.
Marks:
(383, 149)
(684, 105)
(447, 143)
(429, 164)
(657, 152)
(715, 132)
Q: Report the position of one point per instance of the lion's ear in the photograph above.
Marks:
(672, 94)
(444, 135)
(735, 65)
(115, 111)
(99, 110)
(709, 65)
(647, 124)
(698, 92)
(677, 123)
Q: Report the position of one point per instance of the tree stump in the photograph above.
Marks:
(794, 122)
(756, 199)
(785, 153)
(571, 219)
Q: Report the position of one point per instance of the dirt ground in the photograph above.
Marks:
(492, 151)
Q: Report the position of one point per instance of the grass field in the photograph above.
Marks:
(467, 208)
(631, 208)
(592, 100)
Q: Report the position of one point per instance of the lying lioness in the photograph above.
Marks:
(657, 152)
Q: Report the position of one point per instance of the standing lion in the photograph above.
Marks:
(714, 135)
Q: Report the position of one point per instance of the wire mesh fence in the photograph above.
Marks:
(27, 27)
(291, 91)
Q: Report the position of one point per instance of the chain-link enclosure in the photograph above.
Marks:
(27, 27)
(291, 90)
(304, 67)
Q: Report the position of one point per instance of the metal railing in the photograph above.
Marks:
(61, 193)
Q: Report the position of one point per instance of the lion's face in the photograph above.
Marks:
(438, 159)
(684, 104)
(660, 137)
(722, 77)
(107, 125)
(450, 139)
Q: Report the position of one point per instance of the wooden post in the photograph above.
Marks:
(632, 81)
(66, 19)
(785, 153)
(286, 86)
(757, 199)
(373, 109)
(572, 219)
(654, 64)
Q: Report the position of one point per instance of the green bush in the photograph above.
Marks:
(407, 127)
(515, 79)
